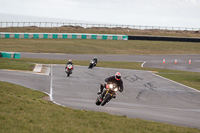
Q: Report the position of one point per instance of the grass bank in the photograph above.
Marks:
(24, 110)
(70, 46)
(14, 64)
(191, 79)
(102, 30)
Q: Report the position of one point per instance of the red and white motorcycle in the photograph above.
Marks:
(69, 69)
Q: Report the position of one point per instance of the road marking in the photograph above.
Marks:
(175, 82)
(143, 64)
(59, 104)
(38, 68)
(51, 88)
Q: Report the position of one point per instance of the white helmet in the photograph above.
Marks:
(117, 75)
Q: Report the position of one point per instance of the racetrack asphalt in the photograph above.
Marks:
(145, 95)
(152, 61)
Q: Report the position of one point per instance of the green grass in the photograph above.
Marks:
(15, 64)
(70, 46)
(23, 110)
(191, 79)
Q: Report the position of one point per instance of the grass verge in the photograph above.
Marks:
(15, 64)
(70, 46)
(23, 110)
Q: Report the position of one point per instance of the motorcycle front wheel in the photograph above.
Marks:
(106, 99)
(98, 102)
(68, 74)
(90, 66)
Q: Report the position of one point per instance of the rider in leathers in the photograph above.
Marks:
(95, 61)
(69, 62)
(113, 79)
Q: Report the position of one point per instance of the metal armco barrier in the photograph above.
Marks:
(10, 55)
(94, 36)
(63, 36)
(157, 38)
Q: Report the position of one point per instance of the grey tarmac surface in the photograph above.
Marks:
(145, 95)
(152, 61)
(27, 79)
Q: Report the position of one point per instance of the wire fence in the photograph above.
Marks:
(87, 25)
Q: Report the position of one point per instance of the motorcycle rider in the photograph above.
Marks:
(113, 79)
(95, 61)
(69, 62)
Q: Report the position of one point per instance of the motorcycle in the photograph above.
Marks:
(107, 94)
(69, 69)
(92, 64)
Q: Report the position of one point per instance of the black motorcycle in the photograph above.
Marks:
(92, 64)
(69, 69)
(107, 94)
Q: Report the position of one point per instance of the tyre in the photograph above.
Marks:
(68, 74)
(106, 99)
(90, 66)
(98, 102)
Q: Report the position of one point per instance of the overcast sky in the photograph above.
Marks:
(175, 13)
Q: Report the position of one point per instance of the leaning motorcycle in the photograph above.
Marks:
(92, 64)
(69, 69)
(107, 94)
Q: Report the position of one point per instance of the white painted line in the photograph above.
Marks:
(58, 104)
(143, 64)
(51, 88)
(176, 82)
